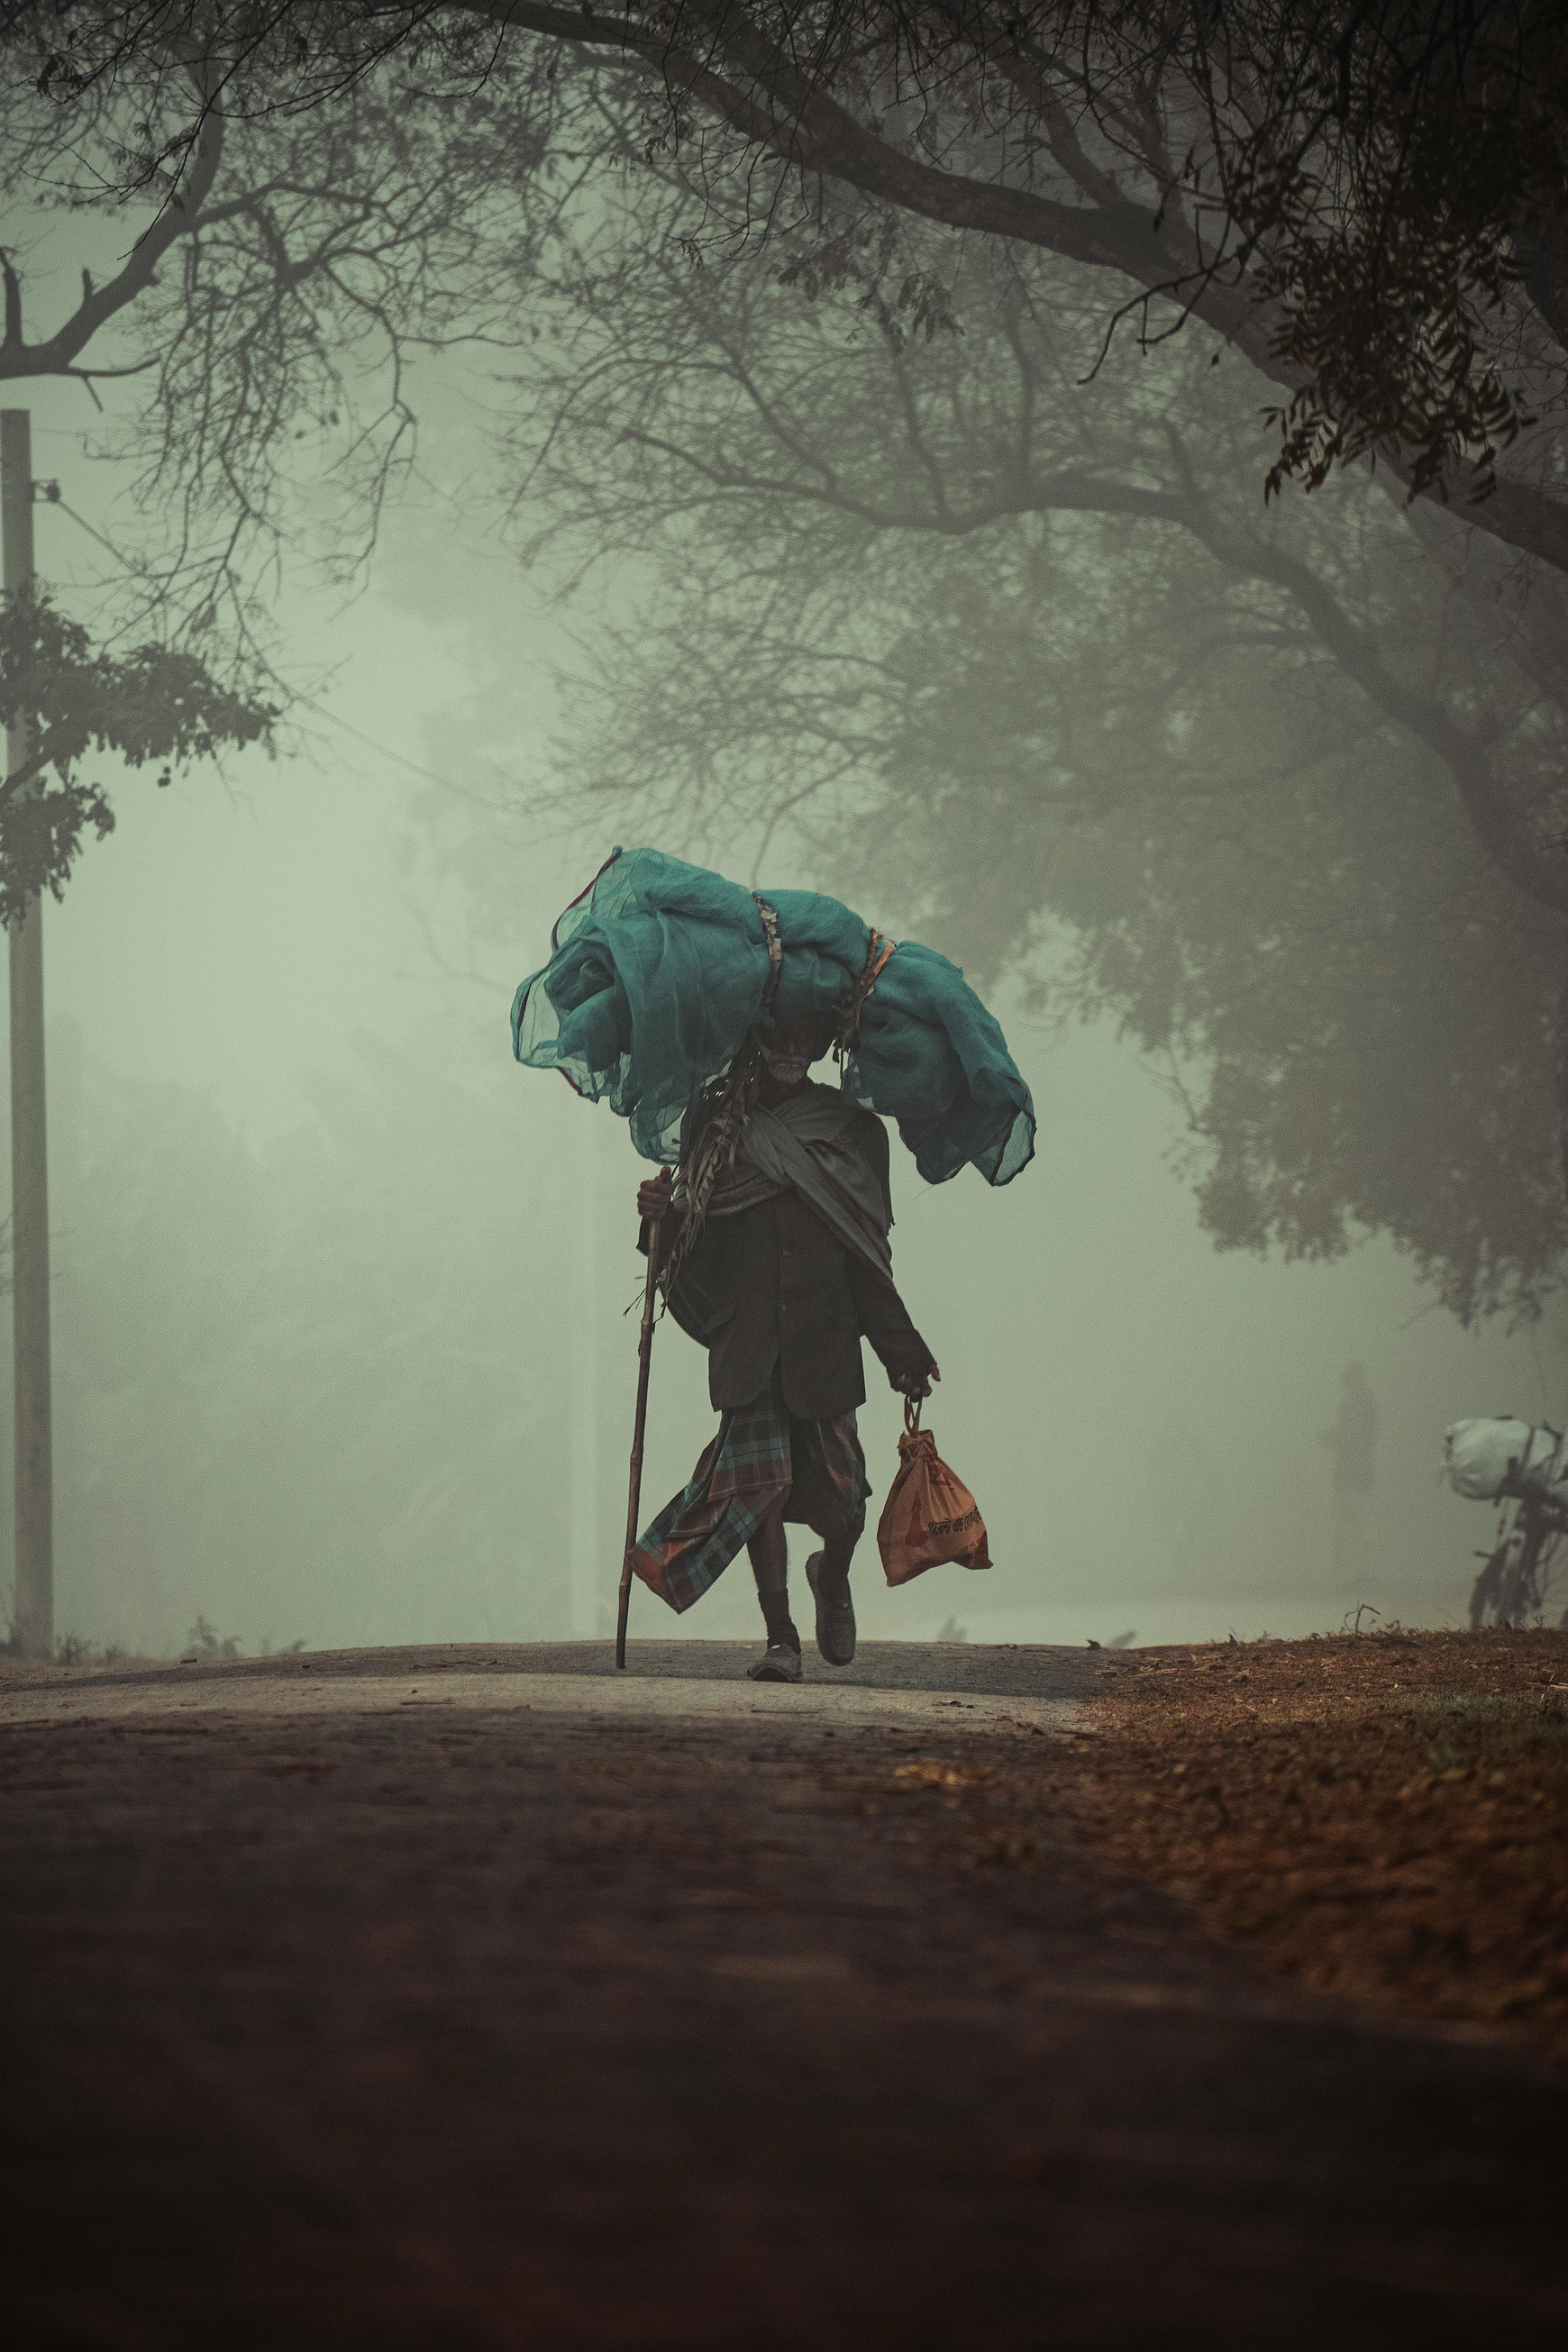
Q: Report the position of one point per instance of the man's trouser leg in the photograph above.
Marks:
(769, 1552)
(837, 1551)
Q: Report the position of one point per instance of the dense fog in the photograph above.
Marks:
(341, 1347)
(344, 1352)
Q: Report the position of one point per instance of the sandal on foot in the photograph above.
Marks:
(834, 1616)
(778, 1663)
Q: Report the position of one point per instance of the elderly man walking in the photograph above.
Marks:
(779, 1273)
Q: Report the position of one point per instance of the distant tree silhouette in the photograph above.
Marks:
(297, 1389)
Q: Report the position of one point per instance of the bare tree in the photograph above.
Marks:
(258, 322)
(1369, 203)
(1024, 654)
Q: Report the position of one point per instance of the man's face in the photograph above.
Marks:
(790, 1048)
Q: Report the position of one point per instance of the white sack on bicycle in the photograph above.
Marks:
(1487, 1459)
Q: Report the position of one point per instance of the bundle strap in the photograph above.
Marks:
(719, 1124)
(776, 955)
(849, 1007)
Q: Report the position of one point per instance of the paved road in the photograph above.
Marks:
(1015, 1669)
(478, 1999)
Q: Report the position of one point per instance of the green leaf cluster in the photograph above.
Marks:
(63, 699)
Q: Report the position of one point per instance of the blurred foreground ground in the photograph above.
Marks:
(483, 1999)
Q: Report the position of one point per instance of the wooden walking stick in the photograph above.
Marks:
(634, 1497)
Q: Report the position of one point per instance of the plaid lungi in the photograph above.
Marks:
(762, 1451)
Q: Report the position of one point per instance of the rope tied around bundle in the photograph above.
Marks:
(718, 1123)
(847, 1010)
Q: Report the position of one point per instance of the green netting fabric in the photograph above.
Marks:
(657, 972)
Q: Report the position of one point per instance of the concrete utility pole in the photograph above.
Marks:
(586, 1584)
(35, 1601)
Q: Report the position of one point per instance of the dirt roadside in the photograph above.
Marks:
(1383, 1816)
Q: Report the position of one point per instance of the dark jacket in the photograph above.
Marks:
(772, 1285)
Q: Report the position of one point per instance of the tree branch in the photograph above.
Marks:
(1494, 822)
(181, 216)
(794, 121)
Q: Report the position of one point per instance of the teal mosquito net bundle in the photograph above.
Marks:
(659, 968)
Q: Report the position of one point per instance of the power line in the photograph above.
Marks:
(388, 753)
(52, 498)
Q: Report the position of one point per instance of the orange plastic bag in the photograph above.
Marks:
(930, 1516)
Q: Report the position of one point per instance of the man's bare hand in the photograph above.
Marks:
(915, 1384)
(653, 1197)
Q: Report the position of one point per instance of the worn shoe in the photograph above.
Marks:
(778, 1663)
(834, 1616)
